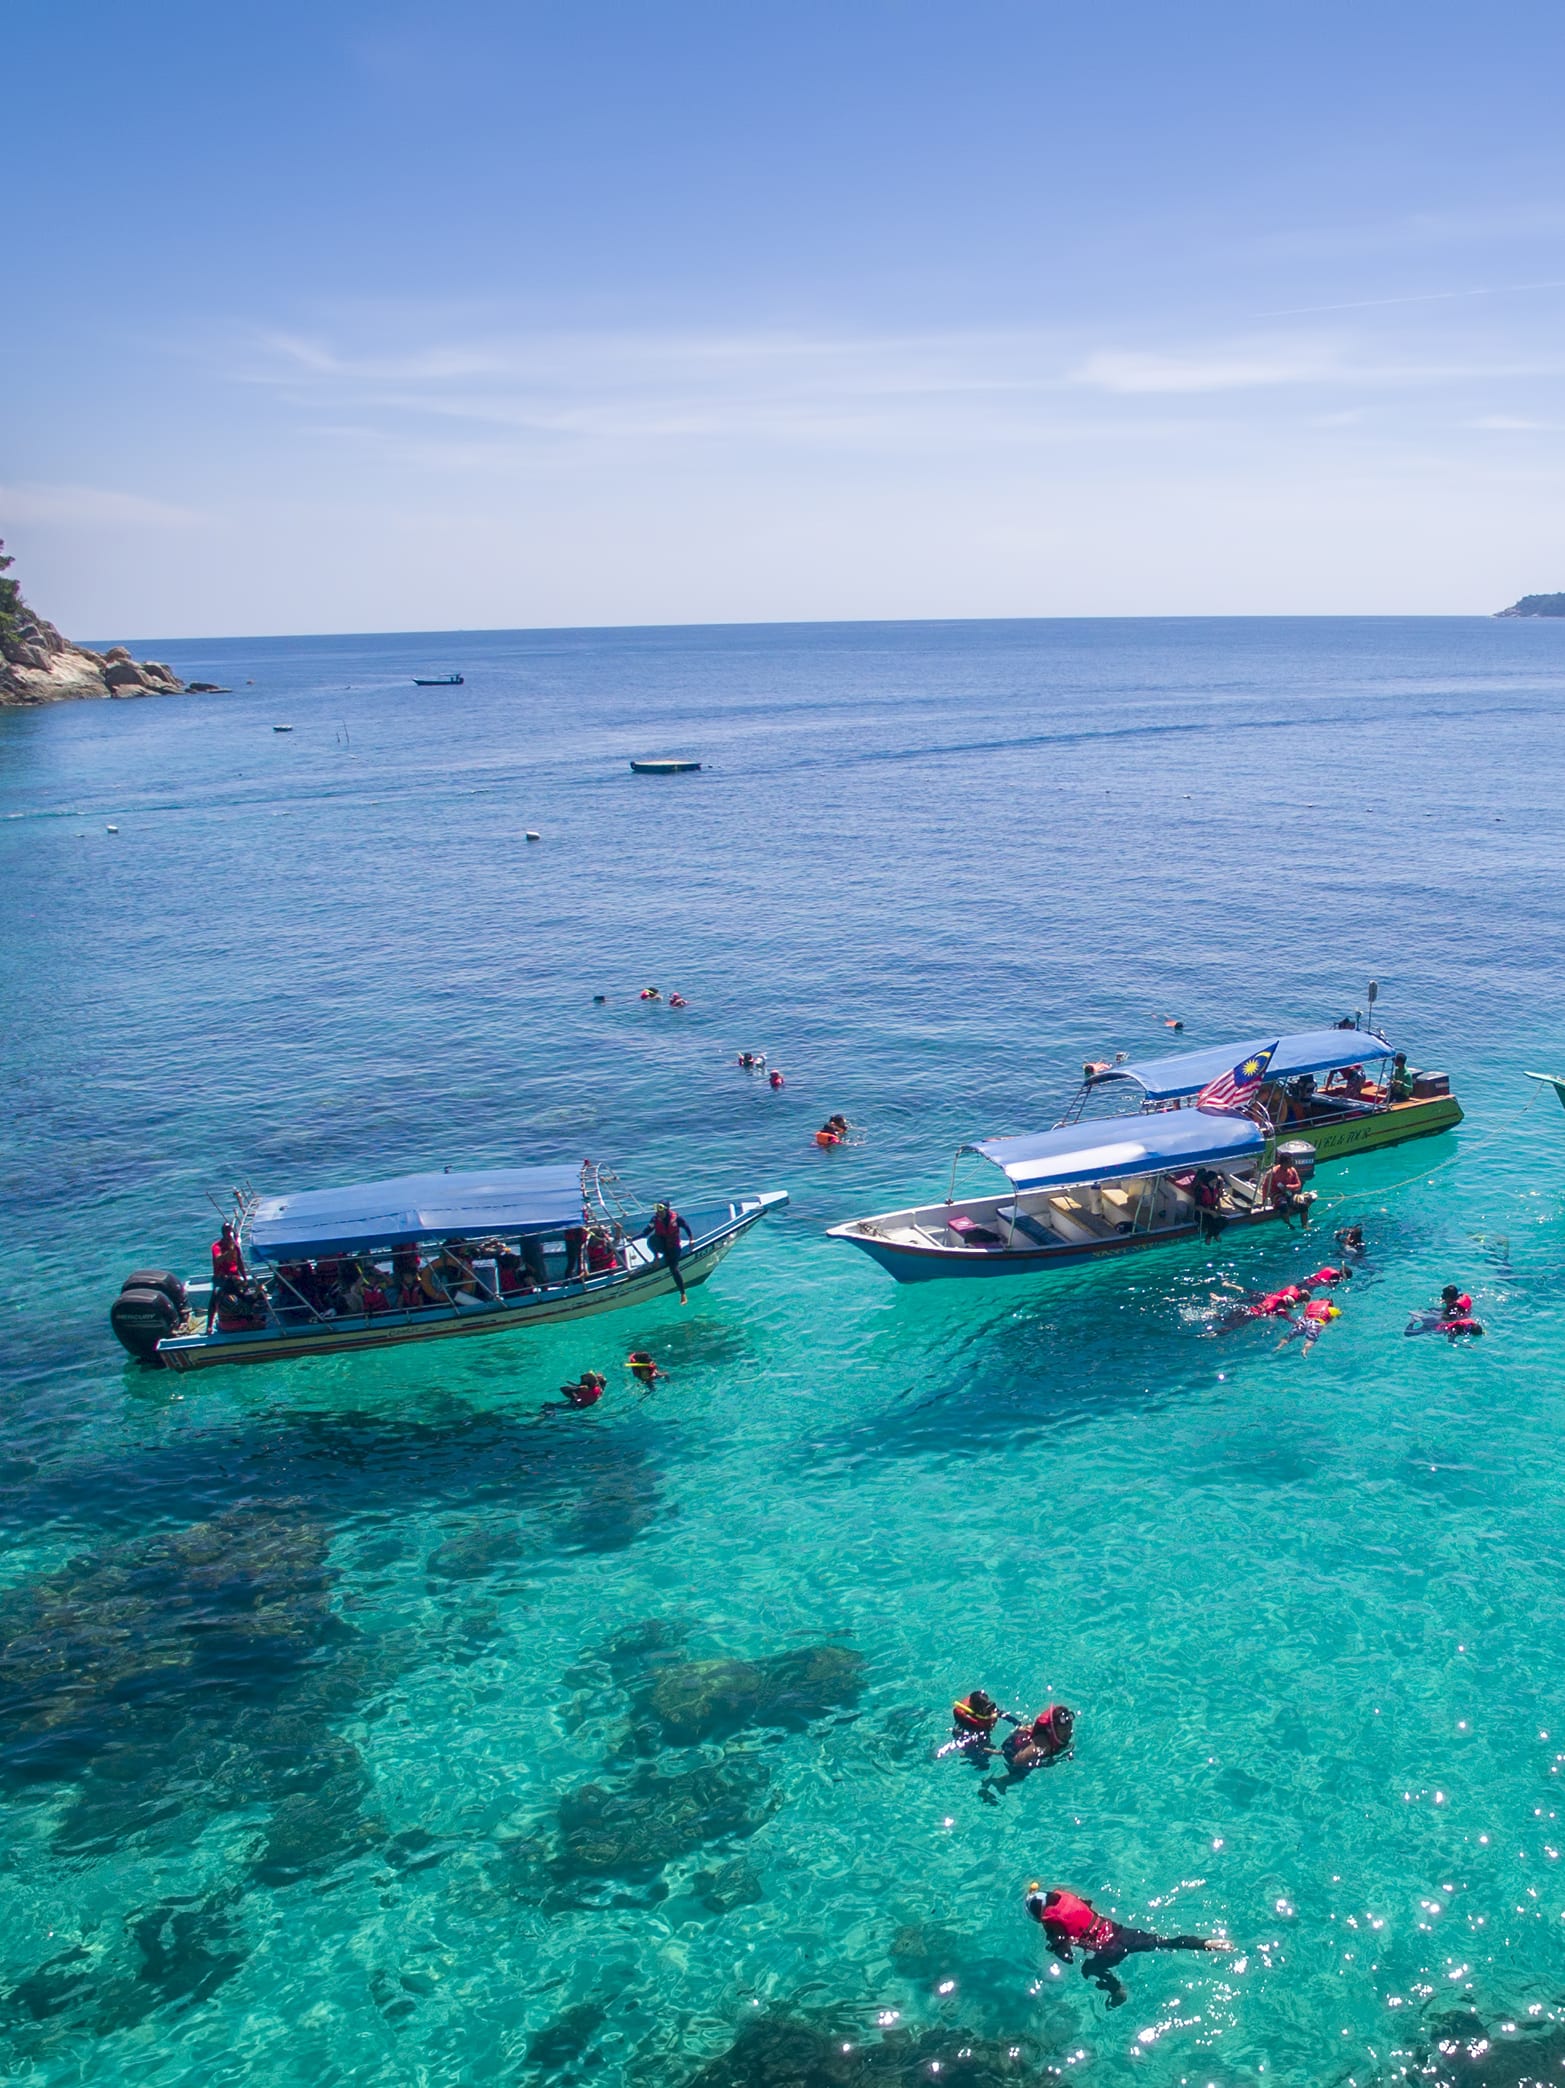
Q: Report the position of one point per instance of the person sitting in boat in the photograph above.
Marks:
(601, 1258)
(411, 1295)
(514, 1277)
(1352, 1083)
(239, 1305)
(376, 1297)
(575, 1241)
(1207, 1189)
(1287, 1194)
(454, 1271)
(1399, 1087)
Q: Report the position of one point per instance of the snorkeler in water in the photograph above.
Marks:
(1454, 1319)
(642, 1368)
(1311, 1323)
(1046, 1738)
(588, 1389)
(973, 1720)
(1350, 1242)
(1067, 1920)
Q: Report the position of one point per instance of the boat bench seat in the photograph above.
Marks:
(1075, 1222)
(1030, 1228)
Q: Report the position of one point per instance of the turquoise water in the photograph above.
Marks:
(306, 1668)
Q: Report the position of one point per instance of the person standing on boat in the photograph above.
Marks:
(664, 1233)
(228, 1262)
(1399, 1088)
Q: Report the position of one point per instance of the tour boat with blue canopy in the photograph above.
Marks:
(1345, 1090)
(419, 1257)
(1078, 1193)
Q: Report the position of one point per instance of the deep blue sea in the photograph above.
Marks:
(341, 1735)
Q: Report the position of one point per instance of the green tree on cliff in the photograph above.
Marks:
(10, 596)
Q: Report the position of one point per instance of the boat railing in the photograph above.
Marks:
(601, 1186)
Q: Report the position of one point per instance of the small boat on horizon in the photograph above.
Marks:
(438, 681)
(664, 767)
(328, 1270)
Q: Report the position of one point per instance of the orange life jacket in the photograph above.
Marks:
(1079, 1920)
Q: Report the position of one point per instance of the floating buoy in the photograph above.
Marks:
(111, 830)
(533, 834)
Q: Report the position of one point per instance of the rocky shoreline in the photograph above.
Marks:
(37, 665)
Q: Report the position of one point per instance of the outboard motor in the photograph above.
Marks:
(1301, 1153)
(150, 1306)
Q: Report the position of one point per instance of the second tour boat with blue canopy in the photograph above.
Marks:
(421, 1257)
(1078, 1193)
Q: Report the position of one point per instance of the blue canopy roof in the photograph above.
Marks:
(368, 1215)
(1311, 1051)
(1129, 1145)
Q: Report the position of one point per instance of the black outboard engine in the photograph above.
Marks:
(150, 1306)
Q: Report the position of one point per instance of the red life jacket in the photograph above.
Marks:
(1326, 1275)
(1078, 1920)
(665, 1225)
(1319, 1310)
(970, 1721)
(1459, 1308)
(226, 1258)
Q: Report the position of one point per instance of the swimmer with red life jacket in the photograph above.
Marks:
(973, 1720)
(834, 1132)
(642, 1368)
(588, 1389)
(1453, 1320)
(1068, 1921)
(1311, 1323)
(1046, 1738)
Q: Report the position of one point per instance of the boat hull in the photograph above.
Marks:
(1341, 1137)
(910, 1262)
(396, 1329)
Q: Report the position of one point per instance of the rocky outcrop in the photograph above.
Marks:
(1536, 605)
(37, 665)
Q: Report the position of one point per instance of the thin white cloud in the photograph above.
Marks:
(90, 506)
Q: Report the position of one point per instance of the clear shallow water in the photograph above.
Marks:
(307, 1667)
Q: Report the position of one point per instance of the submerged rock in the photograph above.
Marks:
(632, 1829)
(612, 1511)
(172, 1955)
(737, 1884)
(710, 1699)
(196, 1671)
(783, 2052)
(1461, 2053)
(478, 1549)
(567, 2037)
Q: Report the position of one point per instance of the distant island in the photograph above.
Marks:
(37, 665)
(1536, 605)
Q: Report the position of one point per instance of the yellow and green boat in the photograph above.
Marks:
(1334, 1087)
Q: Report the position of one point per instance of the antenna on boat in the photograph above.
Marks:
(1372, 996)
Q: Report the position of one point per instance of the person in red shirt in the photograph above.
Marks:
(664, 1233)
(1067, 1920)
(228, 1262)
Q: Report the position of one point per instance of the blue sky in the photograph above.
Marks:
(348, 317)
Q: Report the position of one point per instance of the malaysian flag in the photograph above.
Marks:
(1231, 1093)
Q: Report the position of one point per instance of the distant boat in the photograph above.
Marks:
(438, 681)
(663, 768)
(282, 728)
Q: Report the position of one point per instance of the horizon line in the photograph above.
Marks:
(833, 623)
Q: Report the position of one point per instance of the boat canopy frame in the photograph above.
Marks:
(1173, 1082)
(1069, 1155)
